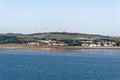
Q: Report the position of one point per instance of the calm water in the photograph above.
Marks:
(60, 65)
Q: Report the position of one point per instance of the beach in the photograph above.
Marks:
(48, 48)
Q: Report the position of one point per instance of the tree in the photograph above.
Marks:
(118, 43)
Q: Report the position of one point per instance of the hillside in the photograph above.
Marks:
(64, 35)
(23, 38)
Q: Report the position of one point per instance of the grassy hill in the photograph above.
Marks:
(64, 35)
(23, 38)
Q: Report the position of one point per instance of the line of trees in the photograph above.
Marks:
(10, 39)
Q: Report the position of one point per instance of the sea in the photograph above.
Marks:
(91, 64)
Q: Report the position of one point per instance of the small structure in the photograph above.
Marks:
(33, 43)
(59, 44)
(106, 44)
(85, 44)
(45, 41)
(93, 45)
(99, 45)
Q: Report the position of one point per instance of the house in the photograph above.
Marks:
(45, 41)
(105, 44)
(99, 45)
(113, 43)
(33, 43)
(93, 45)
(53, 43)
(85, 44)
(59, 44)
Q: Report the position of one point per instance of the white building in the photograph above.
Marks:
(34, 43)
(93, 45)
(59, 44)
(85, 44)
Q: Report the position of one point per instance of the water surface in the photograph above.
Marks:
(60, 65)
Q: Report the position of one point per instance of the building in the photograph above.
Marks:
(33, 43)
(59, 44)
(93, 45)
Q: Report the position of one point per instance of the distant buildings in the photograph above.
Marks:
(87, 43)
(98, 43)
(47, 42)
(33, 43)
(59, 44)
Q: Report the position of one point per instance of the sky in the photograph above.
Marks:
(82, 16)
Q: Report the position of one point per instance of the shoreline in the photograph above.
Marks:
(51, 48)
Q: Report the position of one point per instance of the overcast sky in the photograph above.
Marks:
(83, 16)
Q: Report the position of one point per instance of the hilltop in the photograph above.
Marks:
(16, 37)
(65, 35)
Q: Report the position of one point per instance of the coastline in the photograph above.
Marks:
(51, 48)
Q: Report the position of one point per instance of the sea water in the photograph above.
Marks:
(92, 64)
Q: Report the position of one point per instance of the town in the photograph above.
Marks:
(84, 43)
(60, 39)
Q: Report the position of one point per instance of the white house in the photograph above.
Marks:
(34, 43)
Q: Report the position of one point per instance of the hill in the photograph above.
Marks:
(65, 35)
(24, 38)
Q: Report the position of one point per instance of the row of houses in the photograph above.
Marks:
(98, 43)
(83, 43)
(48, 42)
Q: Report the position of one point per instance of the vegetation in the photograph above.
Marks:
(71, 42)
(72, 39)
(64, 35)
(9, 39)
(13, 39)
(118, 43)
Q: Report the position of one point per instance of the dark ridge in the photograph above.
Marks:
(67, 33)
